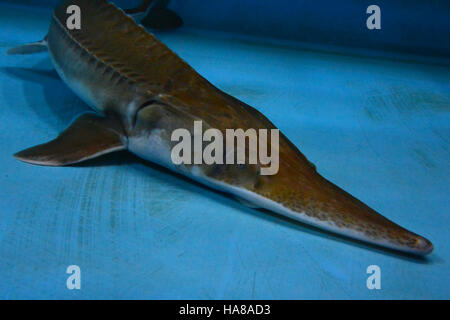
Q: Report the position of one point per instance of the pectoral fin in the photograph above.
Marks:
(87, 137)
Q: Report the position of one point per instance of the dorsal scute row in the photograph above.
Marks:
(116, 40)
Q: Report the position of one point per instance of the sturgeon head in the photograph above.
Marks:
(143, 92)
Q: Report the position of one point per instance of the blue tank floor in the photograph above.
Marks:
(378, 129)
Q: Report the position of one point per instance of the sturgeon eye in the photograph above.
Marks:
(241, 166)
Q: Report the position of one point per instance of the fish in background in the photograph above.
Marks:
(141, 92)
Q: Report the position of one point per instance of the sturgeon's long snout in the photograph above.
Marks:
(351, 217)
(298, 191)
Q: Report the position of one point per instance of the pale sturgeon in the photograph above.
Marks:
(142, 91)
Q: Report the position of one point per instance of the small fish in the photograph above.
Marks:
(142, 91)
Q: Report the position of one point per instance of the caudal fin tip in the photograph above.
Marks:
(16, 51)
(11, 51)
(30, 48)
(162, 19)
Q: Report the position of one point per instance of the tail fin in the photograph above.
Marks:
(162, 19)
(29, 48)
(140, 11)
(155, 15)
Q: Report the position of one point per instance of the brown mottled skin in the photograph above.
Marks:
(133, 77)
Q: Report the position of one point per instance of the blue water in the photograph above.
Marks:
(377, 128)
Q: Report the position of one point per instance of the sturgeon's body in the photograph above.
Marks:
(145, 91)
